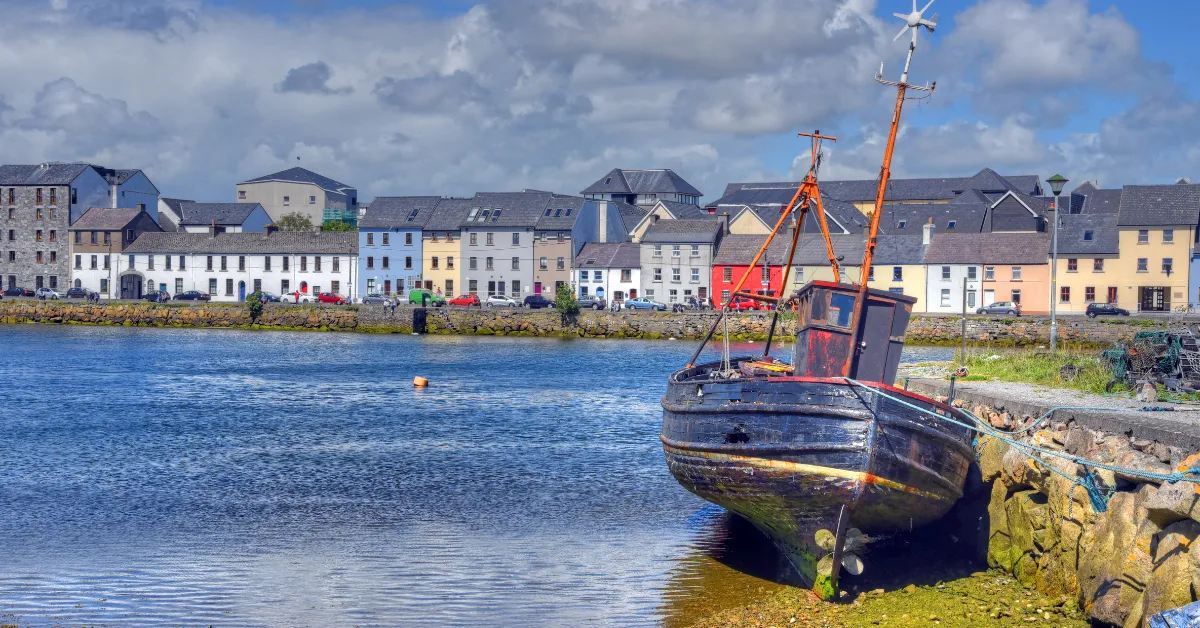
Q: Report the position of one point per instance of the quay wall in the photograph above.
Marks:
(924, 329)
(1138, 557)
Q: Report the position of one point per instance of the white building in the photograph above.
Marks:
(609, 270)
(946, 285)
(229, 266)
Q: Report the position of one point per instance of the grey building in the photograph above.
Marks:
(39, 204)
(497, 242)
(677, 256)
(643, 187)
(222, 217)
(298, 190)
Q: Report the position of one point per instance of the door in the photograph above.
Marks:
(241, 291)
(989, 297)
(491, 288)
(537, 287)
(387, 286)
(1154, 299)
(429, 284)
(633, 293)
(970, 299)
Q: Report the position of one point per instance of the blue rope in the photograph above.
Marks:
(1087, 481)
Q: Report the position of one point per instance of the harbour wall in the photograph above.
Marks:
(1120, 563)
(924, 329)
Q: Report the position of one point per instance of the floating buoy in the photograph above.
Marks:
(420, 382)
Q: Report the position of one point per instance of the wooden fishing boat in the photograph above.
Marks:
(820, 450)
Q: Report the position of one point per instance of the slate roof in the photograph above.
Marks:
(1154, 205)
(766, 202)
(944, 188)
(985, 180)
(117, 177)
(47, 174)
(900, 249)
(609, 255)
(1102, 202)
(106, 218)
(989, 248)
(516, 209)
(631, 215)
(280, 242)
(1085, 188)
(683, 231)
(303, 175)
(449, 214)
(967, 217)
(687, 211)
(215, 213)
(810, 251)
(390, 212)
(175, 204)
(1104, 230)
(739, 250)
(559, 218)
(619, 181)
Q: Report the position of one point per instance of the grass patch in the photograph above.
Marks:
(1031, 367)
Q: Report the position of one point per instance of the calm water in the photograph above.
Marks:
(184, 477)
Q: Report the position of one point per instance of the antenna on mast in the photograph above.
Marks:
(915, 21)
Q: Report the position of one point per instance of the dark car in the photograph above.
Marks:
(537, 301)
(1105, 309)
(18, 292)
(157, 296)
(192, 295)
(78, 293)
(592, 302)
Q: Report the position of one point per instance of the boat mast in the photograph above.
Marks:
(913, 21)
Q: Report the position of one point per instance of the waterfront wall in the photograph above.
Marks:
(924, 329)
(1138, 557)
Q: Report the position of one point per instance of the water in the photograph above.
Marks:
(190, 477)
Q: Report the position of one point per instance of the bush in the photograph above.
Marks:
(565, 303)
(254, 304)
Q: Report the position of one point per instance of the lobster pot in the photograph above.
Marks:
(824, 320)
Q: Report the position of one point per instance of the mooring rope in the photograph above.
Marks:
(1098, 498)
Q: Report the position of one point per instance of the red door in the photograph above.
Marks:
(537, 287)
(387, 286)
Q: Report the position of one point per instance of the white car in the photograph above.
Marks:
(47, 293)
(297, 297)
(499, 300)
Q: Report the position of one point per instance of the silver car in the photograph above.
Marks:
(47, 293)
(499, 300)
(376, 298)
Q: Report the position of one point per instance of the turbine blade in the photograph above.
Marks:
(901, 16)
(930, 24)
(901, 33)
(914, 6)
(926, 5)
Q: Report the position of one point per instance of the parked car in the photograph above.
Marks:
(192, 295)
(465, 300)
(375, 298)
(1105, 309)
(18, 292)
(537, 301)
(157, 296)
(643, 303)
(425, 298)
(499, 300)
(297, 297)
(78, 293)
(1001, 307)
(267, 297)
(742, 304)
(48, 294)
(331, 298)
(592, 302)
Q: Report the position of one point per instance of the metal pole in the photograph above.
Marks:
(963, 350)
(1054, 276)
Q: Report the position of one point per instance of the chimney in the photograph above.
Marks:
(212, 229)
(602, 220)
(927, 232)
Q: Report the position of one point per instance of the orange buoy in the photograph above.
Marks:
(420, 382)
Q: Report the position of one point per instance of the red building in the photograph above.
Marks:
(733, 259)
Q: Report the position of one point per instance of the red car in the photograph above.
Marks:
(742, 303)
(329, 297)
(465, 300)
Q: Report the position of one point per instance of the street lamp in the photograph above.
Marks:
(1056, 185)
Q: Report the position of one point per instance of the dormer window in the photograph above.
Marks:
(950, 225)
(548, 210)
(607, 180)
(1087, 236)
(558, 212)
(900, 225)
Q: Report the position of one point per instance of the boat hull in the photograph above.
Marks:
(787, 453)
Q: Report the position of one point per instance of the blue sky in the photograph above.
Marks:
(453, 97)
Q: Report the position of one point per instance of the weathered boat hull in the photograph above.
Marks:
(787, 453)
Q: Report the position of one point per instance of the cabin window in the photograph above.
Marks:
(841, 309)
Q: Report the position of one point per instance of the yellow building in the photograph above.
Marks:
(441, 246)
(1157, 229)
(1089, 266)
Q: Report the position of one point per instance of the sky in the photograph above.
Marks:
(454, 97)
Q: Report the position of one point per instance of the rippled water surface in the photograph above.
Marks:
(185, 477)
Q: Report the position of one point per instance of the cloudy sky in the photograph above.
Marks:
(452, 97)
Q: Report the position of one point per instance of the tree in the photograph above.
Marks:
(338, 225)
(565, 303)
(294, 221)
(255, 305)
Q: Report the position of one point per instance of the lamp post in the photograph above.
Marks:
(1056, 185)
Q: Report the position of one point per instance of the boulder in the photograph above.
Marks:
(1120, 597)
(1018, 470)
(1174, 502)
(999, 537)
(991, 453)
(1170, 584)
(1132, 459)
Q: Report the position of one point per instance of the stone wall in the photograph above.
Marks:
(177, 315)
(1119, 566)
(1025, 331)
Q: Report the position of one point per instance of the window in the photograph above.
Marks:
(871, 274)
(303, 263)
(1072, 265)
(1016, 273)
(516, 288)
(473, 286)
(657, 274)
(53, 282)
(179, 284)
(1089, 294)
(1064, 294)
(516, 239)
(695, 250)
(335, 286)
(210, 266)
(674, 295)
(337, 264)
(800, 275)
(583, 276)
(766, 275)
(989, 273)
(407, 238)
(1112, 294)
(287, 261)
(945, 273)
(1087, 236)
(900, 225)
(724, 296)
(312, 200)
(385, 262)
(229, 287)
(167, 262)
(93, 262)
(1167, 265)
(108, 263)
(516, 263)
(562, 236)
(39, 198)
(650, 293)
(449, 287)
(242, 263)
(224, 263)
(212, 285)
(657, 250)
(487, 264)
(473, 263)
(474, 241)
(897, 273)
(287, 200)
(727, 274)
(267, 263)
(1016, 296)
(1143, 263)
(1143, 236)
(674, 250)
(285, 286)
(79, 262)
(78, 236)
(53, 257)
(370, 239)
(543, 263)
(53, 196)
(675, 275)
(107, 237)
(449, 262)
(53, 235)
(626, 275)
(370, 261)
(241, 193)
(950, 225)
(972, 272)
(1098, 265)
(131, 262)
(491, 239)
(408, 262)
(696, 275)
(945, 297)
(39, 235)
(433, 263)
(1168, 236)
